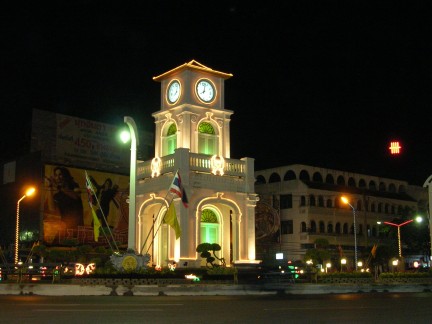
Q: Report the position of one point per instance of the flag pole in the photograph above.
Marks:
(157, 216)
(152, 228)
(107, 226)
(160, 224)
(106, 223)
(177, 188)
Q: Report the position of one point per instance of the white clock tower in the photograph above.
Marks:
(192, 138)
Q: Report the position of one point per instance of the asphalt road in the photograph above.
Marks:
(334, 308)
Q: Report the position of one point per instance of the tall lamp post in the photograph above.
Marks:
(29, 192)
(418, 219)
(428, 184)
(132, 182)
(346, 201)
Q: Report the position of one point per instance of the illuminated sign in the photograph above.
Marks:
(81, 269)
(395, 148)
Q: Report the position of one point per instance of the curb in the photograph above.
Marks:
(204, 289)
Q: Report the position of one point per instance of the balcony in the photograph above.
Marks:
(198, 171)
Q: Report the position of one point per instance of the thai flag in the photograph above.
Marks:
(177, 189)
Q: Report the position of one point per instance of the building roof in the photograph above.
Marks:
(358, 191)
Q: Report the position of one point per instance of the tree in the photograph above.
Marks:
(204, 250)
(320, 253)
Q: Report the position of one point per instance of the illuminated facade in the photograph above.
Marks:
(306, 201)
(192, 137)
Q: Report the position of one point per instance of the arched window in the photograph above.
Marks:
(207, 139)
(329, 179)
(303, 227)
(304, 175)
(290, 175)
(169, 141)
(359, 205)
(386, 208)
(329, 228)
(210, 227)
(317, 177)
(313, 227)
(302, 201)
(321, 227)
(260, 180)
(329, 203)
(312, 200)
(275, 177)
(338, 228)
(345, 228)
(351, 182)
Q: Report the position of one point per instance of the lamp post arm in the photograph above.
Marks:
(21, 199)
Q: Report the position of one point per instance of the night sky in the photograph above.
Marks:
(325, 83)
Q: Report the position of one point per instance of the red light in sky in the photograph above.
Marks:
(395, 148)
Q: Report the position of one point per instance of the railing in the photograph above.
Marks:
(197, 162)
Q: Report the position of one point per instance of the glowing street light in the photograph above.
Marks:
(346, 201)
(343, 263)
(29, 192)
(418, 219)
(132, 182)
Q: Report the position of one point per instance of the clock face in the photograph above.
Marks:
(205, 90)
(174, 90)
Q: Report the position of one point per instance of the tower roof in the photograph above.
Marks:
(192, 65)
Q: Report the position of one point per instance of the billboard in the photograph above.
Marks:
(66, 209)
(79, 142)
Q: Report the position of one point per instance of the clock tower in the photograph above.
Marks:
(193, 94)
(192, 137)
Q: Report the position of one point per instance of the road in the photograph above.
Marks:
(334, 308)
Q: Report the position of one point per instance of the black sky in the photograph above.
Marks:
(326, 83)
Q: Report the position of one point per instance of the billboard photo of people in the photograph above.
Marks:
(66, 209)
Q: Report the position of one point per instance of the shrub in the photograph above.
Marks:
(345, 275)
(396, 275)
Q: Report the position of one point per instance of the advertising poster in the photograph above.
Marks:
(66, 209)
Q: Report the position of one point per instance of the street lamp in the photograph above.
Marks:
(343, 263)
(132, 181)
(29, 192)
(418, 219)
(346, 201)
